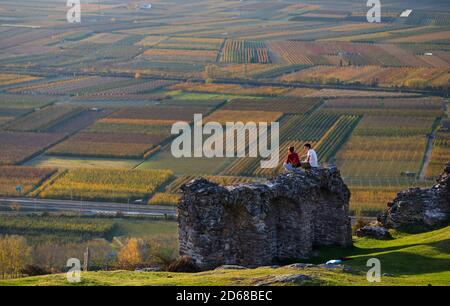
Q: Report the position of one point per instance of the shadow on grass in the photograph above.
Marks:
(403, 263)
(393, 259)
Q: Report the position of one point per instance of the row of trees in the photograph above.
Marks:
(18, 258)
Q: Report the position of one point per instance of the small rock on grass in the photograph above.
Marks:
(375, 232)
(297, 279)
(299, 266)
(230, 267)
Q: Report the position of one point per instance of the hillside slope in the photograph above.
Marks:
(418, 259)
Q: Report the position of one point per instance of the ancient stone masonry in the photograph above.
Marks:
(257, 224)
(429, 208)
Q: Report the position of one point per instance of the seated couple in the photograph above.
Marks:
(293, 161)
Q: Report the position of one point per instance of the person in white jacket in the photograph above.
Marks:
(311, 158)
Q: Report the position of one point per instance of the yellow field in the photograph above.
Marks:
(9, 79)
(236, 70)
(50, 84)
(443, 35)
(151, 40)
(328, 74)
(105, 38)
(109, 185)
(230, 89)
(439, 158)
(367, 198)
(383, 148)
(415, 77)
(377, 35)
(372, 156)
(164, 199)
(440, 154)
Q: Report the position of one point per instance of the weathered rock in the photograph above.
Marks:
(416, 207)
(299, 266)
(376, 232)
(257, 224)
(151, 269)
(231, 267)
(331, 266)
(297, 279)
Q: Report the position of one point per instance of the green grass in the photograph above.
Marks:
(419, 259)
(182, 95)
(145, 228)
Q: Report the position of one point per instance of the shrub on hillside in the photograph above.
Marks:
(184, 264)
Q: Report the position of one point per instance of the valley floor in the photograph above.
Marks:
(409, 259)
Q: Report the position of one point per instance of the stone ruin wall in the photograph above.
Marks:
(425, 208)
(257, 224)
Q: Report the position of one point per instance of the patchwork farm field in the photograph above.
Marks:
(370, 97)
(51, 225)
(19, 181)
(82, 162)
(372, 75)
(42, 119)
(386, 146)
(17, 147)
(116, 145)
(8, 79)
(87, 113)
(440, 150)
(105, 185)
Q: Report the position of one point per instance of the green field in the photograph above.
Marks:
(189, 96)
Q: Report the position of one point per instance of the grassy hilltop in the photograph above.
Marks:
(409, 259)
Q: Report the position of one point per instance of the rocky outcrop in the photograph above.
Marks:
(375, 232)
(420, 208)
(257, 224)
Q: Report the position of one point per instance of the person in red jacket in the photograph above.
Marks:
(292, 161)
